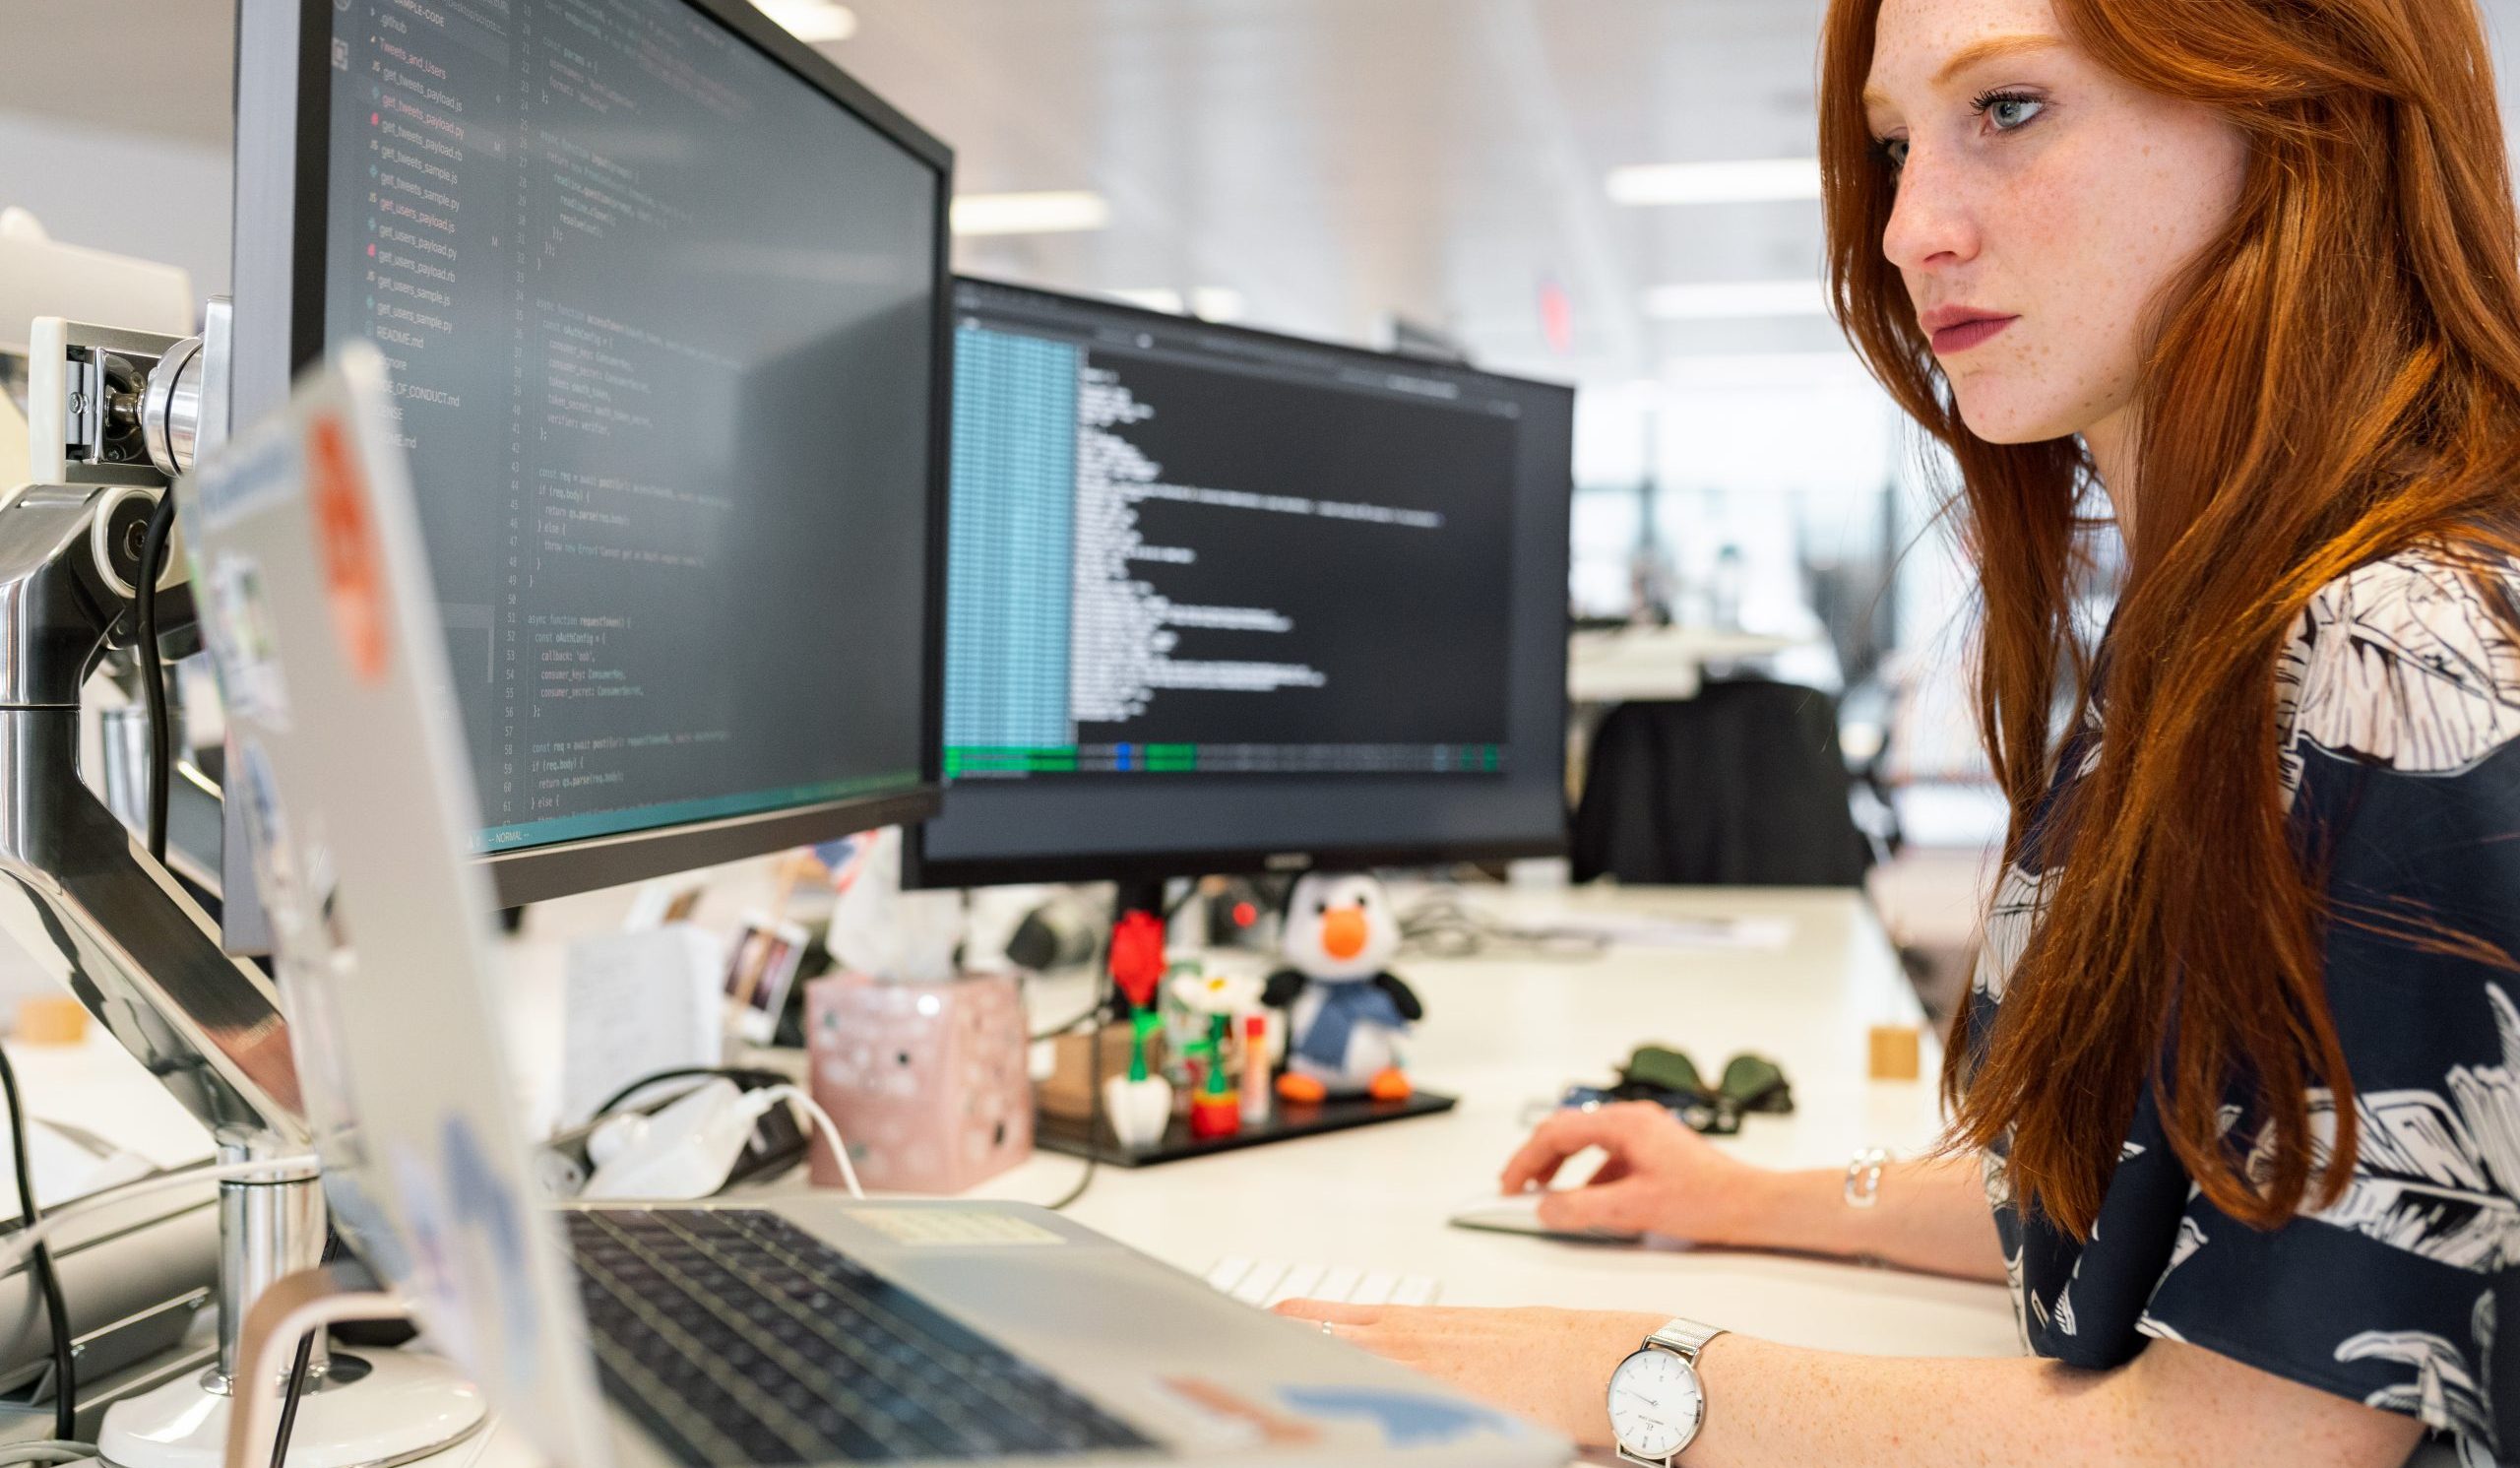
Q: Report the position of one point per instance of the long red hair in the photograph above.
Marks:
(2333, 379)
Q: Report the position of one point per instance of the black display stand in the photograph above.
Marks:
(1285, 1123)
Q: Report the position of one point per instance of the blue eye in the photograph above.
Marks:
(2008, 110)
(1893, 150)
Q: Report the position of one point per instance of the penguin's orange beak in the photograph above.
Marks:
(1343, 934)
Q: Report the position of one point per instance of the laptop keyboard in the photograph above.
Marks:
(735, 1337)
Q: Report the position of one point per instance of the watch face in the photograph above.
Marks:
(1655, 1403)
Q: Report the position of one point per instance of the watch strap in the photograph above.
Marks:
(1684, 1338)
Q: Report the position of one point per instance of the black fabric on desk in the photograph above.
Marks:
(1742, 786)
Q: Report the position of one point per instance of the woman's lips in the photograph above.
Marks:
(1963, 335)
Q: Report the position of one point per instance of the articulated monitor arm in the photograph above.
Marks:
(87, 904)
(79, 894)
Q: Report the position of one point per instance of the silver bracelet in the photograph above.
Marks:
(1863, 1175)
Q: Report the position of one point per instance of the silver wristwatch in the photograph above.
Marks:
(1656, 1402)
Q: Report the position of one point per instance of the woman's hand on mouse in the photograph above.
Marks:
(1659, 1178)
(1549, 1366)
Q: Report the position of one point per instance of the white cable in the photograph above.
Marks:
(24, 1242)
(48, 1451)
(830, 1131)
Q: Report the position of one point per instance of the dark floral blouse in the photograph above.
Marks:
(2399, 701)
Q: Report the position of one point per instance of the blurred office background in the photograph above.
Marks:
(1616, 193)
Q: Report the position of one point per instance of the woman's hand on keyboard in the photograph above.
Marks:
(1659, 1178)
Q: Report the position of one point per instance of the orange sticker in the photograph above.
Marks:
(346, 538)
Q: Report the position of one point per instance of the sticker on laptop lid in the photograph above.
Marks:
(243, 483)
(245, 654)
(466, 1230)
(1405, 1419)
(951, 1227)
(1229, 1420)
(346, 538)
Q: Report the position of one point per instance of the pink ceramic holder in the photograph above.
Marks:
(927, 1081)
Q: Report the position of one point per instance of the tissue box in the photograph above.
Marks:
(926, 1082)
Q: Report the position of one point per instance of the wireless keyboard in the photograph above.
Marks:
(1262, 1283)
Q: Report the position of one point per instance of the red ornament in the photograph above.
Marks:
(1137, 957)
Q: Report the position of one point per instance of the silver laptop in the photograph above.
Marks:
(798, 1329)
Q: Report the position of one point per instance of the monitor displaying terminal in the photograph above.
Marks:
(660, 293)
(1219, 600)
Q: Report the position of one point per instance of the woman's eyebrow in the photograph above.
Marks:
(1991, 48)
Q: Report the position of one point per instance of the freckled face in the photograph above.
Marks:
(2042, 205)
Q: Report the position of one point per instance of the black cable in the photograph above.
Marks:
(152, 676)
(1102, 997)
(298, 1371)
(1093, 1109)
(65, 1397)
(289, 1402)
(736, 1073)
(1443, 924)
(1101, 1013)
(1068, 1024)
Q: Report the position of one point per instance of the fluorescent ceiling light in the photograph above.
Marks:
(1745, 181)
(1052, 213)
(1735, 300)
(812, 19)
(1151, 298)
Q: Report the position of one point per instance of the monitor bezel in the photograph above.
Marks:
(922, 870)
(282, 138)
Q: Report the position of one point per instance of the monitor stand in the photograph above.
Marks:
(1287, 1120)
(87, 904)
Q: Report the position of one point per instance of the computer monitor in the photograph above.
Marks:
(664, 295)
(1225, 600)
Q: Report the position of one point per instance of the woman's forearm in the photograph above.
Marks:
(2174, 1404)
(1928, 1215)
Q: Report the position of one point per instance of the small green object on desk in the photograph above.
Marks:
(1217, 1111)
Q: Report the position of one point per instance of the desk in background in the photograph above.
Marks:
(1630, 664)
(1635, 662)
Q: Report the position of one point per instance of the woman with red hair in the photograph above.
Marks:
(2236, 1093)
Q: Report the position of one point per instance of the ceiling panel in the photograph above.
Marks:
(1335, 161)
(1331, 161)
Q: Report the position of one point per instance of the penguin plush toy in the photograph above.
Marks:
(1348, 1015)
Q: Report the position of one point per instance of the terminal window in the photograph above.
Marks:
(1172, 550)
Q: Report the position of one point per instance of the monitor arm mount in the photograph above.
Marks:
(83, 897)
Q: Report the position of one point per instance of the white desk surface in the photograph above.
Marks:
(1503, 1033)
